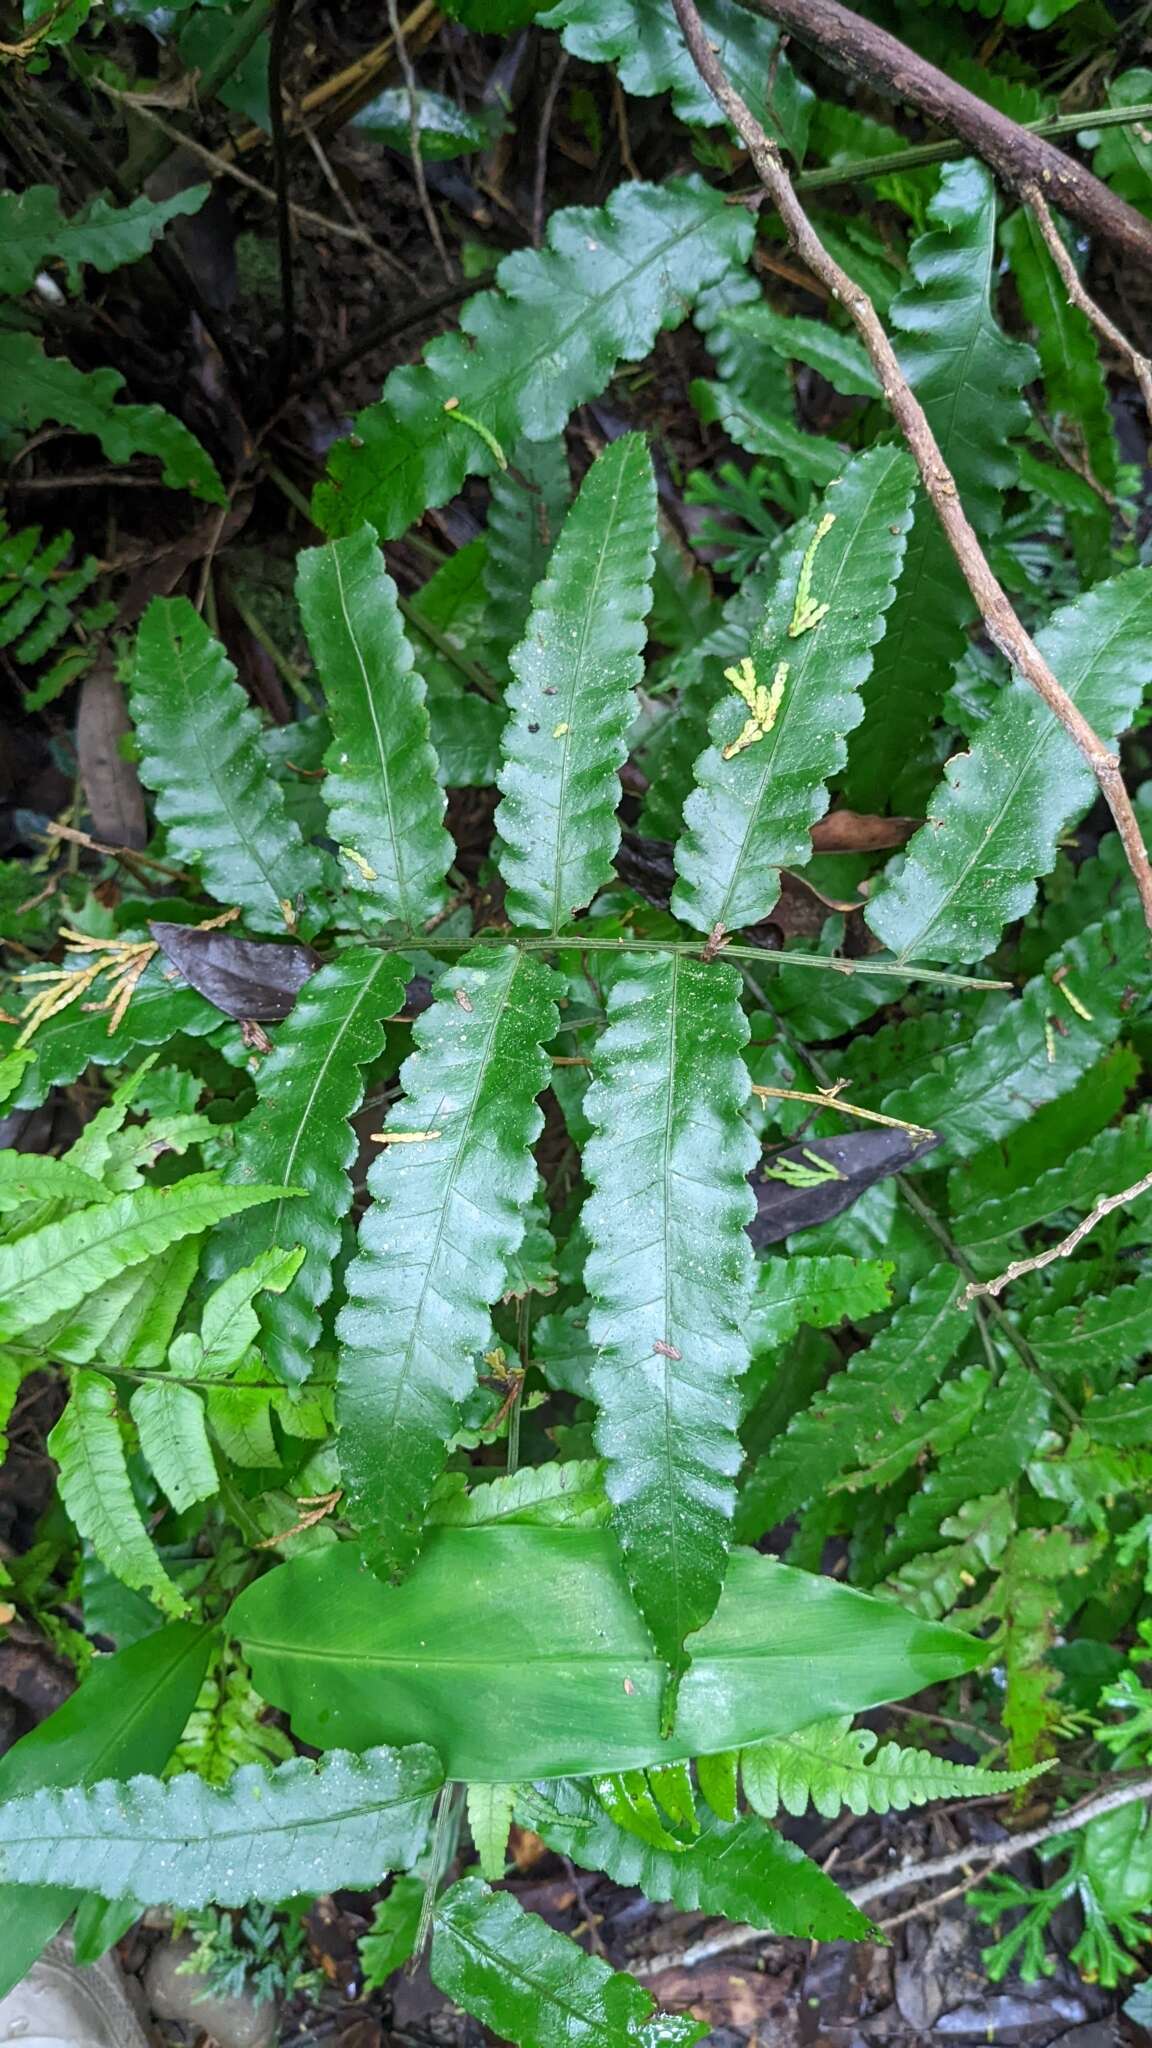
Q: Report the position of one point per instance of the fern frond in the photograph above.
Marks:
(758, 794)
(385, 806)
(529, 352)
(969, 379)
(1011, 1424)
(741, 1868)
(820, 1291)
(63, 1045)
(302, 1827)
(531, 1985)
(573, 698)
(1102, 1330)
(938, 1424)
(174, 1441)
(644, 41)
(97, 1492)
(63, 1262)
(838, 357)
(34, 232)
(447, 1212)
(299, 1135)
(670, 1273)
(834, 1765)
(35, 387)
(1115, 1158)
(200, 754)
(995, 820)
(849, 1417)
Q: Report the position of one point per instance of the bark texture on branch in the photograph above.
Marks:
(1003, 627)
(1018, 156)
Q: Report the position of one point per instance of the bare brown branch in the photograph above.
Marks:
(1139, 365)
(1064, 1249)
(1018, 155)
(1001, 623)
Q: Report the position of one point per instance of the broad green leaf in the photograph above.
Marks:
(1116, 1158)
(1011, 1423)
(447, 1212)
(547, 338)
(1102, 1330)
(489, 1819)
(170, 1422)
(835, 1765)
(34, 233)
(534, 1987)
(573, 698)
(529, 500)
(523, 1650)
(762, 783)
(1122, 1417)
(669, 1272)
(821, 1291)
(838, 357)
(299, 1134)
(65, 1044)
(95, 1488)
(995, 821)
(740, 1869)
(64, 1261)
(969, 378)
(200, 754)
(644, 41)
(302, 1827)
(385, 806)
(26, 1179)
(41, 388)
(127, 1713)
(849, 1417)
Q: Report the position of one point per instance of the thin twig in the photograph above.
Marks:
(1063, 1250)
(987, 1854)
(276, 42)
(426, 206)
(991, 1854)
(381, 257)
(540, 183)
(1001, 623)
(1139, 365)
(829, 1098)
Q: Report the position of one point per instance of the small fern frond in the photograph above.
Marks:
(834, 1765)
(97, 1492)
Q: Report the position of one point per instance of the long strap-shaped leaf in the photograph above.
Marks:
(200, 753)
(529, 501)
(777, 735)
(303, 1827)
(530, 351)
(969, 377)
(995, 820)
(97, 1492)
(450, 1189)
(670, 1273)
(536, 1988)
(385, 804)
(574, 694)
(299, 1134)
(58, 1265)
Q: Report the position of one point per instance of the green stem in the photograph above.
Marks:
(893, 969)
(919, 153)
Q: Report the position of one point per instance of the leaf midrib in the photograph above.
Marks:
(384, 783)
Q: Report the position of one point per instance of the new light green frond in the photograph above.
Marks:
(834, 1765)
(97, 1492)
(573, 698)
